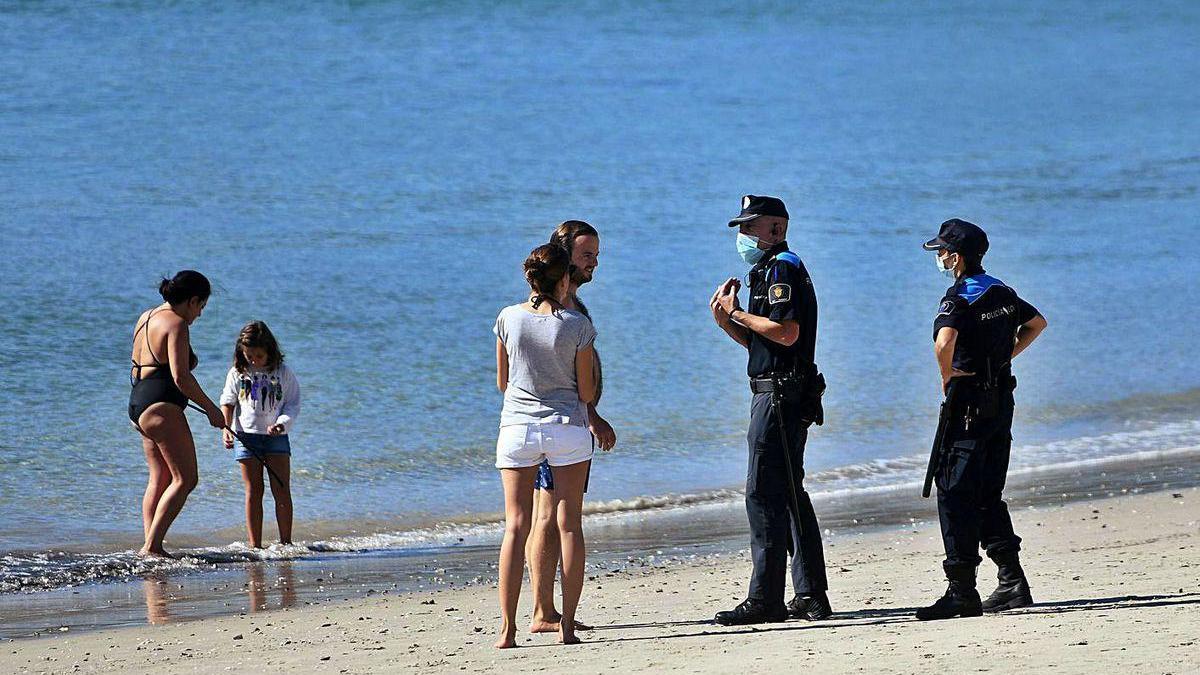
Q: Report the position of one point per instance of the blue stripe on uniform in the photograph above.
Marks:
(974, 287)
(787, 257)
(790, 258)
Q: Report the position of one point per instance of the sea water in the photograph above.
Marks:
(367, 178)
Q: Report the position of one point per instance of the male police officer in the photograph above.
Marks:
(981, 325)
(779, 331)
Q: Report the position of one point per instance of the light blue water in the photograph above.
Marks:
(367, 178)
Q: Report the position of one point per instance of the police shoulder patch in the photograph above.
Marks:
(778, 293)
(946, 307)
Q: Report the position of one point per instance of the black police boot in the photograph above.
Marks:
(813, 607)
(961, 598)
(1013, 591)
(752, 611)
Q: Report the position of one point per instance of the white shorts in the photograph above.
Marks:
(525, 445)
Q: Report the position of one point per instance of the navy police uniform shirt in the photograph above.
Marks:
(781, 290)
(986, 314)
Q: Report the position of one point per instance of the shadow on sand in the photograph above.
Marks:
(879, 617)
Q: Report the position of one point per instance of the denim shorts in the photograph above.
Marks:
(263, 444)
(545, 477)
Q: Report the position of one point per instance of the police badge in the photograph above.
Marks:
(779, 293)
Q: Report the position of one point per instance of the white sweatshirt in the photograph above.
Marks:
(262, 398)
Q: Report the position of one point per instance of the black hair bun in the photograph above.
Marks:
(184, 286)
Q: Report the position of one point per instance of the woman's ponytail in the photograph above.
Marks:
(544, 270)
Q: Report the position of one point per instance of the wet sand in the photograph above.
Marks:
(1117, 584)
(636, 538)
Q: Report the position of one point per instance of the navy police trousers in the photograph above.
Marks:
(970, 480)
(772, 531)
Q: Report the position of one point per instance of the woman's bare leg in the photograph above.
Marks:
(252, 481)
(159, 479)
(166, 425)
(282, 494)
(543, 551)
(518, 504)
(568, 497)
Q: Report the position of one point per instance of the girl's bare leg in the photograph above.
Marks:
(166, 425)
(252, 481)
(518, 504)
(282, 494)
(160, 478)
(543, 551)
(568, 497)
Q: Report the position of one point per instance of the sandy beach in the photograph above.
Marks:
(368, 179)
(1117, 585)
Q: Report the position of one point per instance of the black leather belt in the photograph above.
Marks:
(1005, 381)
(767, 384)
(762, 385)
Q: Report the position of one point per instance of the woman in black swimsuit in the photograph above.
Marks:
(162, 386)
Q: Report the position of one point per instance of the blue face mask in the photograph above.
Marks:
(747, 247)
(948, 271)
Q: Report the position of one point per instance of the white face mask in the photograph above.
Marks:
(948, 271)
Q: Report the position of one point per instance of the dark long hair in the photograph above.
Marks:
(544, 270)
(256, 335)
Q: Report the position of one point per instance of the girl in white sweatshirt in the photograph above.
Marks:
(261, 400)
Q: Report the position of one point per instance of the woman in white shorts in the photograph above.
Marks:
(544, 369)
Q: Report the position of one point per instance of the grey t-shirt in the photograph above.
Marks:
(541, 365)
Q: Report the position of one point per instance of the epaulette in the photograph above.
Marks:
(789, 258)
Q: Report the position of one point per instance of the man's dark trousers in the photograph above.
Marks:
(767, 505)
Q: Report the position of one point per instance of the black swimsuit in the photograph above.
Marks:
(157, 387)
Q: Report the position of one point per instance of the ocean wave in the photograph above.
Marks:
(45, 570)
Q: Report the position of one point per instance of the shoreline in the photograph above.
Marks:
(615, 540)
(1115, 581)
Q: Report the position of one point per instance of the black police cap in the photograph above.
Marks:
(754, 206)
(959, 236)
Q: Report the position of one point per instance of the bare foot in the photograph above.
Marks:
(566, 632)
(507, 642)
(147, 552)
(551, 625)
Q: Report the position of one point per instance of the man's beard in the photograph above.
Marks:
(580, 278)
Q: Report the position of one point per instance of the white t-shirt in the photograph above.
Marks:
(262, 398)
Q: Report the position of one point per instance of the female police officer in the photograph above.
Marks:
(779, 331)
(981, 325)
